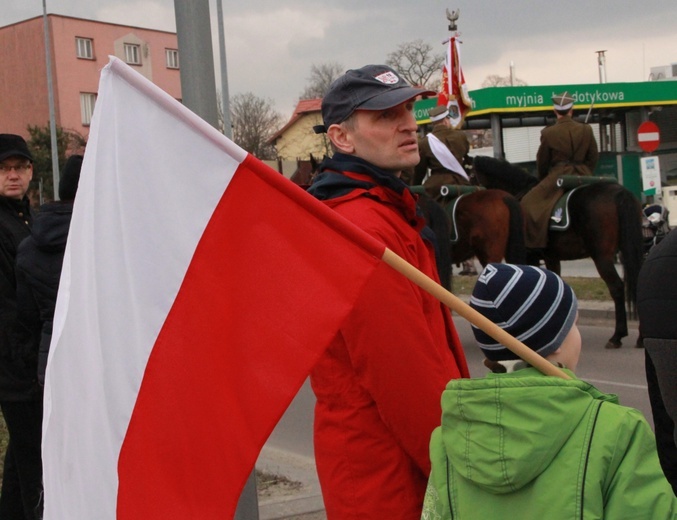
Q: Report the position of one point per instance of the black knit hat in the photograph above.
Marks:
(11, 145)
(372, 87)
(534, 305)
(70, 177)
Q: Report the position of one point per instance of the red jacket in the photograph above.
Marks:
(379, 384)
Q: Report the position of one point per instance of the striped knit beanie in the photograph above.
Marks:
(534, 305)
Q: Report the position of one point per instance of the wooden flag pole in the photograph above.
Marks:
(463, 309)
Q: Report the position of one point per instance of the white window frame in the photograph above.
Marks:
(172, 58)
(87, 103)
(84, 48)
(133, 53)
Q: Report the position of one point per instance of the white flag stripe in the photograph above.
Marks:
(106, 266)
(648, 136)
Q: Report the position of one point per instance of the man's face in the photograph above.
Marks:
(385, 138)
(15, 174)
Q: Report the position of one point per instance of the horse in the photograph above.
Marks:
(305, 171)
(605, 219)
(486, 223)
(490, 226)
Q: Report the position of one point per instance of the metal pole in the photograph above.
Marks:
(601, 62)
(198, 84)
(50, 96)
(225, 96)
(497, 136)
(198, 89)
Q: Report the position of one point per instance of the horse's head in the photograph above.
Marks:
(315, 164)
(500, 174)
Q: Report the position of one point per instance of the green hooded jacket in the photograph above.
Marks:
(528, 446)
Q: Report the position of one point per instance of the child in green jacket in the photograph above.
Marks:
(519, 444)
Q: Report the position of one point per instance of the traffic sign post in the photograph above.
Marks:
(648, 136)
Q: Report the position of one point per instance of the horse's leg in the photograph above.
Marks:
(554, 265)
(607, 270)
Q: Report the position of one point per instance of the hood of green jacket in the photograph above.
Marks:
(502, 431)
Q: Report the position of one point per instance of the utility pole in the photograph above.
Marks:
(601, 62)
(50, 96)
(198, 90)
(198, 83)
(225, 96)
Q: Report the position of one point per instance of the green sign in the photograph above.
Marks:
(539, 98)
(421, 110)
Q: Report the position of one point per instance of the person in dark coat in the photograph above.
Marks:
(567, 148)
(657, 308)
(40, 257)
(20, 396)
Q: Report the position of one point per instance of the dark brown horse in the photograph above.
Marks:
(490, 226)
(605, 219)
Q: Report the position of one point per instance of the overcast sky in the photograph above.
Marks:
(271, 44)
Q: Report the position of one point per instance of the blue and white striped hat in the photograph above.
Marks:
(534, 305)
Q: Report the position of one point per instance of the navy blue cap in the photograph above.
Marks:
(372, 87)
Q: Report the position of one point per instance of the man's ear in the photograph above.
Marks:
(341, 138)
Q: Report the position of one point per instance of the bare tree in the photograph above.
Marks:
(321, 77)
(494, 80)
(254, 122)
(417, 63)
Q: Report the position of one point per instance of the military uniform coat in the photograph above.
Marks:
(567, 148)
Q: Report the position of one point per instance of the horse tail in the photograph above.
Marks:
(630, 243)
(515, 251)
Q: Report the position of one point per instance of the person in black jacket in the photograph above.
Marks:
(657, 307)
(40, 257)
(20, 396)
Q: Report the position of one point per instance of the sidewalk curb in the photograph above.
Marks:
(308, 499)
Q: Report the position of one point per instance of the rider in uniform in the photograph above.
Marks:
(567, 148)
(443, 151)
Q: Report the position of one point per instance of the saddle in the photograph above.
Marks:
(450, 194)
(559, 218)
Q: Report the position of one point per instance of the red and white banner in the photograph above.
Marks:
(454, 93)
(199, 287)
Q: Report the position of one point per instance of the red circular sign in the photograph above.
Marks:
(648, 136)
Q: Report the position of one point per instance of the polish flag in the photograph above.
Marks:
(199, 287)
(454, 92)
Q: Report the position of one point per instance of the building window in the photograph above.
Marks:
(133, 54)
(87, 102)
(172, 58)
(83, 48)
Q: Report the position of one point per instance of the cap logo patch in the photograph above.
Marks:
(388, 78)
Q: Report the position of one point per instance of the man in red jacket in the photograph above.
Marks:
(378, 386)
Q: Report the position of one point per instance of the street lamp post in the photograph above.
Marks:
(50, 96)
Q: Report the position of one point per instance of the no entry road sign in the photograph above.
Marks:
(648, 136)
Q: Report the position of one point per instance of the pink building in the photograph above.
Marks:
(80, 48)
